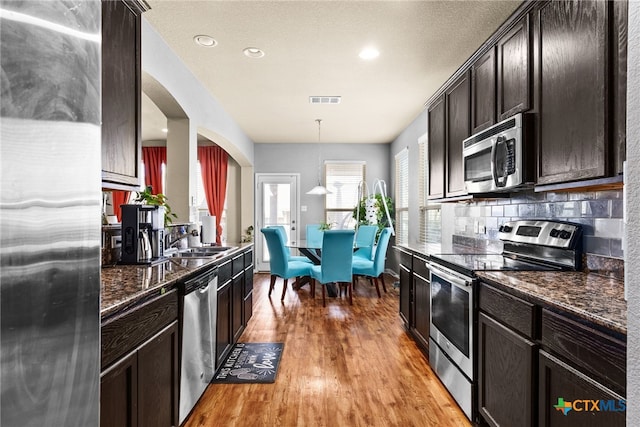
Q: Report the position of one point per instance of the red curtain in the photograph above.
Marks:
(213, 164)
(153, 158)
(118, 198)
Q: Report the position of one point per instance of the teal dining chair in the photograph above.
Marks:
(287, 250)
(373, 269)
(314, 235)
(336, 262)
(279, 264)
(365, 240)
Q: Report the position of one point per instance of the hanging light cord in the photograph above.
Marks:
(319, 152)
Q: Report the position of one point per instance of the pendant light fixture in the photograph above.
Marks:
(319, 189)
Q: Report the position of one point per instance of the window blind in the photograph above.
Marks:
(430, 219)
(402, 196)
(342, 179)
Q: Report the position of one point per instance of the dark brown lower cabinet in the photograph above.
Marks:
(505, 375)
(422, 307)
(223, 322)
(405, 295)
(591, 404)
(118, 394)
(248, 295)
(158, 381)
(142, 388)
(237, 303)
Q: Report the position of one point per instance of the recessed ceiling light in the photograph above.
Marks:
(369, 53)
(253, 52)
(206, 41)
(165, 130)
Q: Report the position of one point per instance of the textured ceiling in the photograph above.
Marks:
(311, 48)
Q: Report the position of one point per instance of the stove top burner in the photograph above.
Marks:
(528, 245)
(468, 263)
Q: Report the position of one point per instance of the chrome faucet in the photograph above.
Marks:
(181, 236)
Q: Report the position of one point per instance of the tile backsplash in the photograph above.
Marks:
(600, 212)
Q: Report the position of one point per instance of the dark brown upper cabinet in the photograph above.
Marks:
(483, 96)
(572, 74)
(619, 82)
(121, 94)
(458, 128)
(436, 148)
(514, 70)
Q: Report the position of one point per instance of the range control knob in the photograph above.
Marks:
(565, 234)
(505, 229)
(554, 233)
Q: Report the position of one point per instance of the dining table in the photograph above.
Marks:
(313, 251)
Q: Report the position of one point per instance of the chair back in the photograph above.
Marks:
(276, 247)
(314, 236)
(337, 256)
(283, 235)
(381, 251)
(365, 239)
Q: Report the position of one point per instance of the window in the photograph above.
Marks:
(402, 197)
(342, 179)
(430, 223)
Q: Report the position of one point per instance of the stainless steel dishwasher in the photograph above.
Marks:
(198, 339)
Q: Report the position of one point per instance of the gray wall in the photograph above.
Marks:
(409, 139)
(303, 159)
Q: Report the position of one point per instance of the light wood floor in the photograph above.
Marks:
(341, 366)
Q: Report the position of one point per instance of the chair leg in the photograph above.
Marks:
(324, 303)
(272, 284)
(350, 285)
(284, 289)
(375, 280)
(384, 287)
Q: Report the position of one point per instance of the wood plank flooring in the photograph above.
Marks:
(341, 366)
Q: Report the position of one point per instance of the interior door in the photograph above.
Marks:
(277, 204)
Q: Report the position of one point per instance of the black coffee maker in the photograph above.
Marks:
(142, 234)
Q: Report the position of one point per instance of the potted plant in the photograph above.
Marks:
(147, 197)
(377, 205)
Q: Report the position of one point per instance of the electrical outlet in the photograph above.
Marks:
(482, 229)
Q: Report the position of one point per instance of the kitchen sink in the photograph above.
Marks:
(204, 252)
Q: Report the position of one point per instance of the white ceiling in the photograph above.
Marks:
(311, 48)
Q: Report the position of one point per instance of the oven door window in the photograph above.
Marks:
(477, 166)
(450, 312)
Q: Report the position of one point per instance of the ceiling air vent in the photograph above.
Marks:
(325, 99)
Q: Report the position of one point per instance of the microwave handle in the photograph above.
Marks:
(494, 173)
(502, 180)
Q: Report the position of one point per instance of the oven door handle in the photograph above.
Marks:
(445, 274)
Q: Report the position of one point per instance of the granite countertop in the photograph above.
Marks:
(123, 286)
(596, 298)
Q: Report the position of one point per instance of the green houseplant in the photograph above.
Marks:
(359, 212)
(147, 197)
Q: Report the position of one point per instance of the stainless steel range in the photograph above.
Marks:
(534, 245)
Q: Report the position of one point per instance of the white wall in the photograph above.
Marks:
(632, 255)
(208, 117)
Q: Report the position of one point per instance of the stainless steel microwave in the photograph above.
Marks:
(498, 159)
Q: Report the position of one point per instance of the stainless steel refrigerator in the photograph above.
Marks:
(50, 204)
